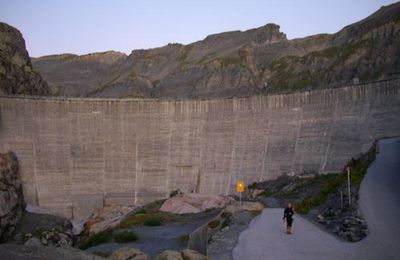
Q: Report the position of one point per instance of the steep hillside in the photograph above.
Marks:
(257, 61)
(16, 73)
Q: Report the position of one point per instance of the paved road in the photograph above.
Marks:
(379, 201)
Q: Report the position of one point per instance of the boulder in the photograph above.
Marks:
(255, 192)
(244, 206)
(33, 241)
(77, 226)
(320, 218)
(185, 254)
(11, 198)
(31, 208)
(170, 255)
(14, 251)
(107, 218)
(128, 253)
(193, 203)
(193, 255)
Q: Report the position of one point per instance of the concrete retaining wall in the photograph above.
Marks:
(79, 154)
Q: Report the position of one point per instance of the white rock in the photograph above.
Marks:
(77, 226)
(193, 203)
(128, 253)
(107, 218)
(36, 209)
(244, 206)
(33, 241)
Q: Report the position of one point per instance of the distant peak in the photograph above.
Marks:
(271, 26)
(106, 53)
(103, 57)
(64, 56)
(268, 33)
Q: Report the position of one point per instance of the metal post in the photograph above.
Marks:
(240, 198)
(348, 184)
(341, 199)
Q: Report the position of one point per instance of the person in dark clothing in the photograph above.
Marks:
(288, 215)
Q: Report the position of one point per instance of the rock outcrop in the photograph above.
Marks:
(16, 73)
(193, 203)
(235, 207)
(186, 254)
(37, 252)
(11, 198)
(230, 64)
(107, 218)
(128, 253)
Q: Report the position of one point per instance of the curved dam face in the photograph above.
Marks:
(77, 155)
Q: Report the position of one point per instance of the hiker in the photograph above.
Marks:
(288, 215)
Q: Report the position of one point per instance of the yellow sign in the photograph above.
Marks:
(240, 186)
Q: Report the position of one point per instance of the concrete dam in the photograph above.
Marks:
(77, 155)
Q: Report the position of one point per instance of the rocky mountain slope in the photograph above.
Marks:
(16, 73)
(11, 198)
(257, 61)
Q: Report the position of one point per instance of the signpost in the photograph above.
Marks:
(240, 188)
(348, 183)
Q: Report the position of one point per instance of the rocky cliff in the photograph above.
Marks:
(257, 61)
(16, 73)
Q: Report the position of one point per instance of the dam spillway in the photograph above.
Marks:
(77, 155)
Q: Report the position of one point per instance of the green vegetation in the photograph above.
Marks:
(125, 237)
(289, 195)
(56, 91)
(226, 215)
(207, 58)
(360, 167)
(153, 221)
(141, 211)
(37, 232)
(214, 223)
(150, 215)
(255, 212)
(184, 238)
(102, 254)
(108, 236)
(372, 76)
(104, 86)
(294, 73)
(147, 219)
(341, 53)
(227, 61)
(133, 75)
(96, 239)
(264, 194)
(185, 53)
(307, 193)
(331, 183)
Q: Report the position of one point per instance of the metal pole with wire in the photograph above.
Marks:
(348, 184)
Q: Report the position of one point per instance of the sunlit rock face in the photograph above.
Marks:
(16, 73)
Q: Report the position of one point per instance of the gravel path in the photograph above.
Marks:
(379, 201)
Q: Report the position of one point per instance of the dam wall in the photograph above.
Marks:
(77, 155)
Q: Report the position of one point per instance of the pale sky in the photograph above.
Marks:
(85, 26)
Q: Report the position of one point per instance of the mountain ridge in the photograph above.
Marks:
(236, 63)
